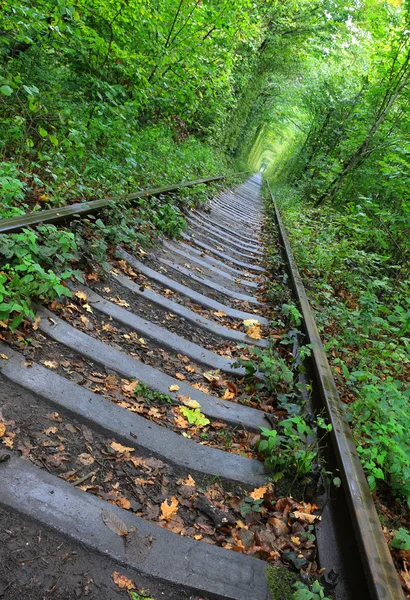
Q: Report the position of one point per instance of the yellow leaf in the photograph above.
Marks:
(8, 442)
(189, 481)
(250, 322)
(50, 430)
(254, 332)
(2, 428)
(228, 395)
(189, 401)
(51, 364)
(87, 308)
(180, 376)
(121, 449)
(122, 581)
(211, 375)
(258, 493)
(169, 510)
(295, 540)
(4, 356)
(173, 388)
(219, 313)
(81, 295)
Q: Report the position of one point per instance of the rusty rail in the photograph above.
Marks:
(378, 565)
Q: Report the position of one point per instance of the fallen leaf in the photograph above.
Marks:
(169, 510)
(122, 581)
(87, 308)
(167, 292)
(188, 401)
(250, 322)
(124, 503)
(180, 422)
(84, 458)
(173, 388)
(189, 481)
(7, 441)
(129, 388)
(4, 356)
(259, 493)
(295, 540)
(51, 364)
(81, 295)
(211, 375)
(254, 332)
(2, 428)
(180, 376)
(121, 449)
(36, 323)
(306, 517)
(219, 313)
(228, 395)
(50, 430)
(114, 522)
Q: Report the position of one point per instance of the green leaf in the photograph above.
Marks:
(6, 90)
(42, 132)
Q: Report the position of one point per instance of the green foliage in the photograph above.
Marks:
(151, 395)
(194, 416)
(401, 540)
(295, 448)
(360, 297)
(305, 591)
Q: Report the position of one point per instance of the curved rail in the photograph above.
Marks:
(377, 562)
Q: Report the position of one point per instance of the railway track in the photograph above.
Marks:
(131, 430)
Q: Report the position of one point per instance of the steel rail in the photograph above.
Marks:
(381, 576)
(57, 215)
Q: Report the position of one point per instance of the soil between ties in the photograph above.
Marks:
(262, 523)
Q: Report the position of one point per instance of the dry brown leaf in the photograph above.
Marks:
(2, 428)
(122, 581)
(180, 376)
(36, 323)
(190, 369)
(228, 395)
(113, 521)
(4, 356)
(81, 295)
(8, 441)
(129, 388)
(84, 458)
(250, 322)
(169, 510)
(306, 517)
(259, 493)
(173, 388)
(51, 364)
(219, 313)
(124, 503)
(120, 448)
(180, 422)
(167, 292)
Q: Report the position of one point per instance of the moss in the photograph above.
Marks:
(280, 583)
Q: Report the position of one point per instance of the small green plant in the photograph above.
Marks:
(277, 374)
(305, 591)
(296, 448)
(151, 395)
(251, 505)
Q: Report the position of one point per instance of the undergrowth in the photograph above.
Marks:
(361, 301)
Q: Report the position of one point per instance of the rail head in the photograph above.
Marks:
(63, 213)
(382, 578)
